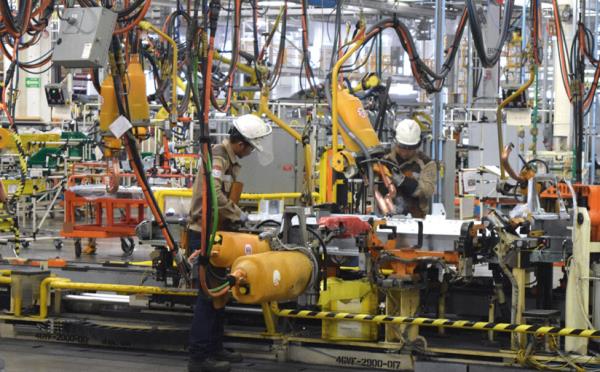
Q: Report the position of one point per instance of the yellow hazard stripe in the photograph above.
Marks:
(447, 323)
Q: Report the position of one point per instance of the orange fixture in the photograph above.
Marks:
(590, 192)
(407, 269)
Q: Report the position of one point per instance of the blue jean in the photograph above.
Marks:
(208, 324)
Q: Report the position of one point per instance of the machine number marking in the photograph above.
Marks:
(72, 339)
(368, 362)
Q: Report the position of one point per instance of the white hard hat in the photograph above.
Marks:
(253, 129)
(408, 134)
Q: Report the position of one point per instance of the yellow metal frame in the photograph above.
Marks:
(162, 194)
(62, 283)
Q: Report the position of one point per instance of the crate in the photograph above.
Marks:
(354, 296)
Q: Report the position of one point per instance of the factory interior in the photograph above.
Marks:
(299, 185)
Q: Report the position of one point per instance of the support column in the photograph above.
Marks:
(563, 110)
(577, 300)
(438, 99)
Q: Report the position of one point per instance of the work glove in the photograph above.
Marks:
(408, 186)
(398, 179)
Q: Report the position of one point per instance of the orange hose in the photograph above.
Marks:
(205, 288)
(561, 51)
(140, 17)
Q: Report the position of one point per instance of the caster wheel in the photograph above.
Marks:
(127, 246)
(58, 244)
(25, 244)
(78, 248)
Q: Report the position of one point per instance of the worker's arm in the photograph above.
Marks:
(227, 209)
(423, 187)
(427, 180)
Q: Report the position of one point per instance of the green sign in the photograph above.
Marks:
(33, 82)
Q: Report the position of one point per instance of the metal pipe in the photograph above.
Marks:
(62, 283)
(277, 195)
(504, 161)
(438, 98)
(124, 300)
(502, 105)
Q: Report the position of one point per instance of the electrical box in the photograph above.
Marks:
(56, 94)
(84, 38)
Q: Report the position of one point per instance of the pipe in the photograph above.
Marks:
(389, 185)
(147, 26)
(505, 164)
(502, 105)
(248, 70)
(44, 290)
(264, 109)
(429, 322)
(63, 283)
(276, 195)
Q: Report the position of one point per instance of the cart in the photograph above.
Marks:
(112, 215)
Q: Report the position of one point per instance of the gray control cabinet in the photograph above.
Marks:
(84, 38)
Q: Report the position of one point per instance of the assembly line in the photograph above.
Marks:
(300, 184)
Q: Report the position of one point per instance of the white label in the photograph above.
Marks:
(12, 188)
(120, 126)
(276, 278)
(248, 249)
(87, 49)
(518, 117)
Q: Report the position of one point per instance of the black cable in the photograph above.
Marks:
(337, 31)
(18, 23)
(383, 104)
(255, 41)
(267, 222)
(478, 41)
(280, 52)
(135, 159)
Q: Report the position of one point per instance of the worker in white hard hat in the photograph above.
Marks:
(415, 174)
(248, 134)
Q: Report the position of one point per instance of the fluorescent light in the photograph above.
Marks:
(277, 4)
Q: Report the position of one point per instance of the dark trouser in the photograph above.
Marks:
(208, 324)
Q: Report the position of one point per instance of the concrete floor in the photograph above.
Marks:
(36, 356)
(33, 356)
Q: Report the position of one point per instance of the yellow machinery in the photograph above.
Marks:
(357, 121)
(271, 276)
(139, 110)
(7, 141)
(108, 113)
(229, 246)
